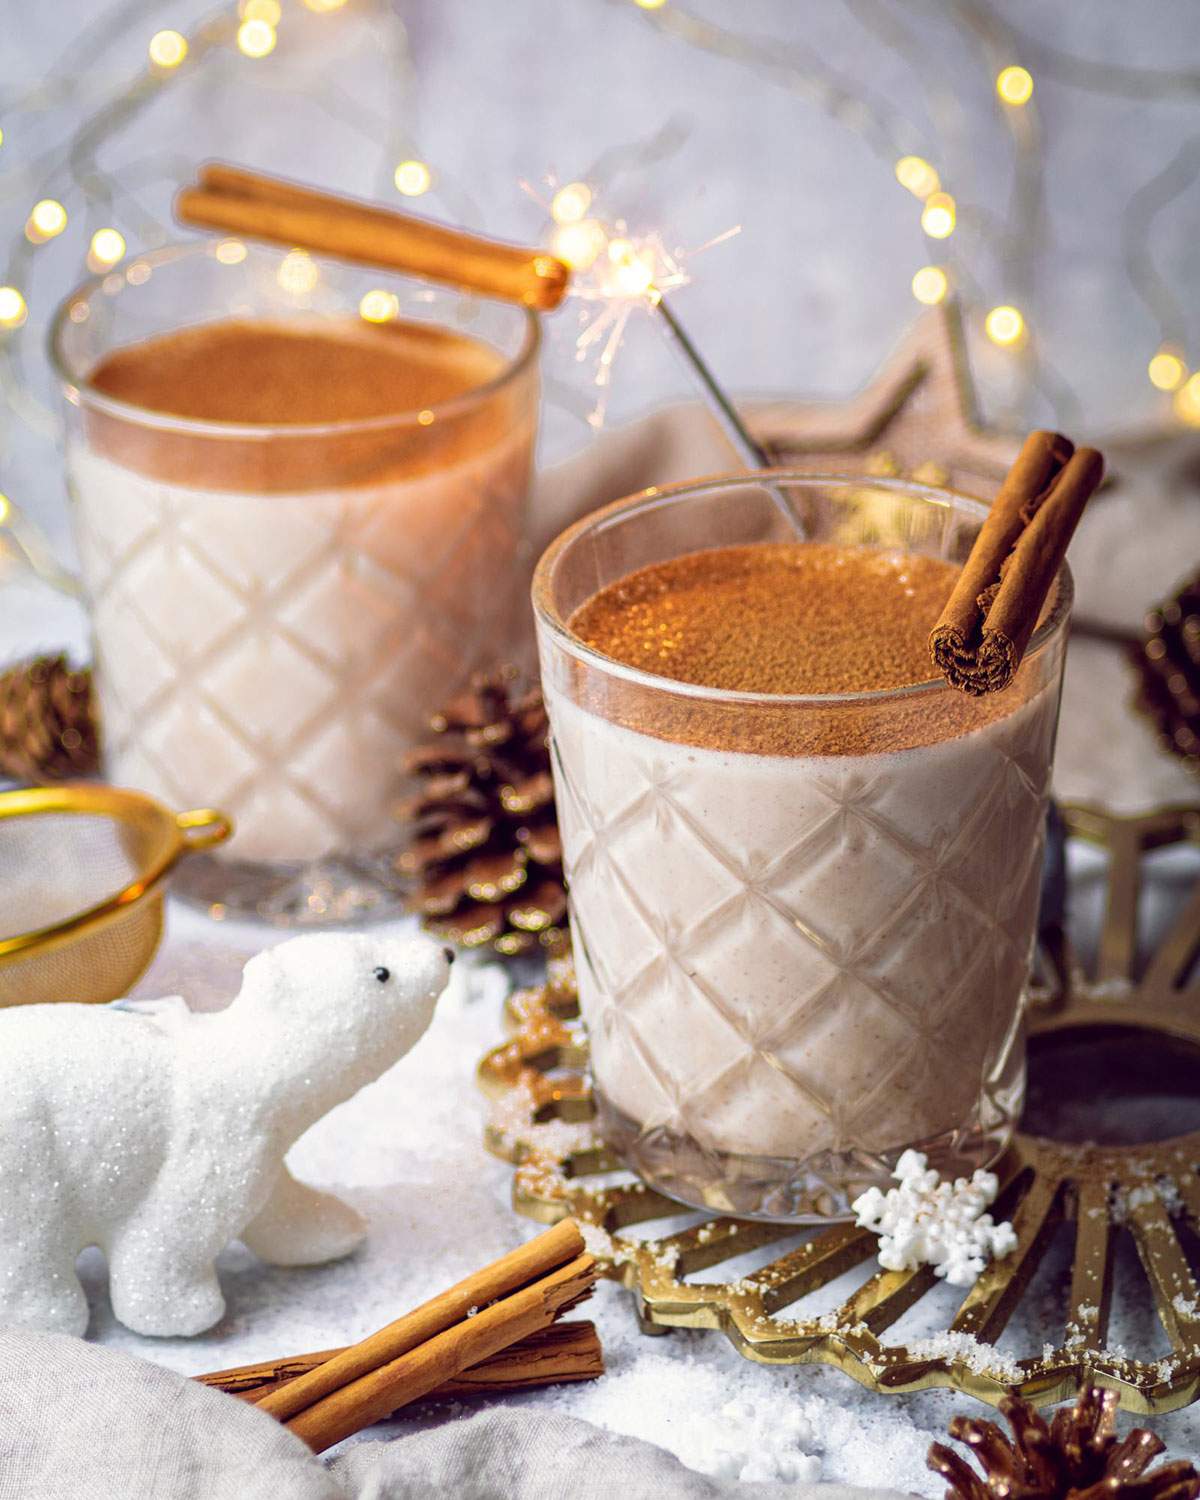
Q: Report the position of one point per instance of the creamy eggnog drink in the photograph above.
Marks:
(803, 877)
(297, 528)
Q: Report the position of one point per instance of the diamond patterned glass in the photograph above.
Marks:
(793, 966)
(277, 612)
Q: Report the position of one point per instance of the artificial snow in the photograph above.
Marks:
(928, 1222)
(408, 1153)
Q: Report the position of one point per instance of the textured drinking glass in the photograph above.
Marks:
(277, 610)
(795, 964)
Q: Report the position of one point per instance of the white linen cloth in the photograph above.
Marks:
(78, 1421)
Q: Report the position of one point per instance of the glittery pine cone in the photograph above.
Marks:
(47, 722)
(1075, 1456)
(486, 855)
(1168, 667)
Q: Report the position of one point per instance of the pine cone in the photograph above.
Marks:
(1075, 1456)
(1168, 668)
(486, 853)
(47, 722)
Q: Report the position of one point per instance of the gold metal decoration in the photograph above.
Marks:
(540, 1122)
(83, 871)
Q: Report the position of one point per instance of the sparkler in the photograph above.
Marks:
(616, 273)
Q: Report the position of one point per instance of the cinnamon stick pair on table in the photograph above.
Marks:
(979, 641)
(494, 1330)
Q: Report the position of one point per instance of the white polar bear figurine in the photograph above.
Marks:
(159, 1135)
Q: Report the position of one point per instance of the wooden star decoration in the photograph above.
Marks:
(917, 419)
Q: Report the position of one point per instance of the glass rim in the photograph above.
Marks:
(547, 613)
(181, 250)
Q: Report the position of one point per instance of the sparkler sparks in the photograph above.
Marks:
(614, 272)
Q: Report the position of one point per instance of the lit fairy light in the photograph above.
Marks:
(614, 271)
(939, 215)
(261, 10)
(13, 310)
(298, 273)
(1004, 326)
(47, 218)
(412, 178)
(168, 49)
(106, 249)
(1186, 402)
(1015, 85)
(1166, 370)
(930, 284)
(571, 203)
(378, 306)
(917, 175)
(256, 37)
(230, 252)
(323, 7)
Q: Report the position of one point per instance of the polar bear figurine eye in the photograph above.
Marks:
(382, 974)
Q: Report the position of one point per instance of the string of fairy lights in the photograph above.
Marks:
(948, 219)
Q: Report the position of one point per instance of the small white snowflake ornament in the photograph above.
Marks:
(928, 1222)
(160, 1135)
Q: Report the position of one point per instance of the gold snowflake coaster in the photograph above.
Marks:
(541, 1122)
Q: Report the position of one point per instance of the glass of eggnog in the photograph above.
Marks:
(298, 494)
(803, 873)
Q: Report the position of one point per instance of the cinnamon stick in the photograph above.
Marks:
(534, 1259)
(562, 1353)
(981, 636)
(269, 208)
(430, 1364)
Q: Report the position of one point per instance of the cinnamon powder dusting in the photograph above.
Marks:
(791, 617)
(785, 618)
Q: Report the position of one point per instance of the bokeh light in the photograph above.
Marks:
(1187, 401)
(256, 37)
(571, 203)
(412, 178)
(107, 248)
(1004, 325)
(378, 306)
(1166, 370)
(1015, 85)
(930, 284)
(168, 49)
(13, 310)
(579, 244)
(298, 273)
(46, 219)
(916, 174)
(939, 216)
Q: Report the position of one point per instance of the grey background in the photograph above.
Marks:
(793, 137)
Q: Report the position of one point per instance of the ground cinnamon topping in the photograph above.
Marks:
(292, 376)
(789, 617)
(784, 618)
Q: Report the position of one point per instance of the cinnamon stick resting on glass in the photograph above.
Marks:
(979, 641)
(270, 208)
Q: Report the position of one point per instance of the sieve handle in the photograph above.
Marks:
(203, 827)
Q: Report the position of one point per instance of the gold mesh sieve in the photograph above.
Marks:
(83, 871)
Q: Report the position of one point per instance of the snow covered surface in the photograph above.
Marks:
(407, 1152)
